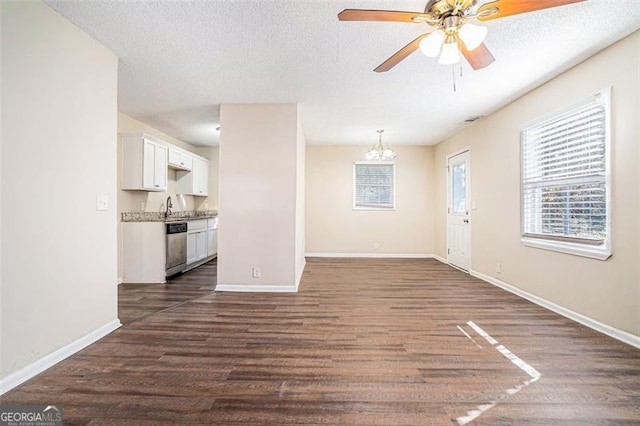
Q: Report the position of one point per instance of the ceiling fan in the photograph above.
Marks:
(451, 31)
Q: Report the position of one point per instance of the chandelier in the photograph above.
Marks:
(380, 151)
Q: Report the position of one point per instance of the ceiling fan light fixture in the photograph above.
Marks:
(472, 35)
(450, 54)
(430, 45)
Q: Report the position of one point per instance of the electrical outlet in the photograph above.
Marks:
(376, 246)
(256, 272)
(499, 268)
(102, 202)
(142, 206)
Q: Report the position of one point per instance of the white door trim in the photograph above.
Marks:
(448, 200)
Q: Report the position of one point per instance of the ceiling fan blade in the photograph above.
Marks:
(383, 15)
(400, 55)
(514, 7)
(478, 58)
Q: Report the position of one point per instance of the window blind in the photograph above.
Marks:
(373, 185)
(564, 172)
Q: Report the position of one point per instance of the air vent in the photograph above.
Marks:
(472, 119)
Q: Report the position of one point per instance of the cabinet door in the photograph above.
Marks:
(200, 177)
(212, 236)
(201, 245)
(175, 157)
(186, 161)
(180, 160)
(191, 248)
(148, 164)
(160, 167)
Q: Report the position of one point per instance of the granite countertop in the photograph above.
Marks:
(159, 216)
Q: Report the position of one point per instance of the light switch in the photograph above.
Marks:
(102, 202)
(473, 205)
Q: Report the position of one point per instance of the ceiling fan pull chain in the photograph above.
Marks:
(453, 74)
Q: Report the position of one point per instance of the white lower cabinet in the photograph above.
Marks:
(212, 246)
(201, 245)
(197, 241)
(212, 236)
(191, 248)
(143, 252)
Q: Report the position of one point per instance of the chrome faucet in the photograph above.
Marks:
(169, 205)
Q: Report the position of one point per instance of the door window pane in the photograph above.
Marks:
(458, 188)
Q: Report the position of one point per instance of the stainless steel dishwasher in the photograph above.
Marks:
(176, 248)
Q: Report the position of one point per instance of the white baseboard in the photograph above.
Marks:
(374, 255)
(265, 288)
(618, 334)
(440, 259)
(48, 361)
(144, 282)
(300, 272)
(119, 281)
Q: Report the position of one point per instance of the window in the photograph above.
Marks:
(565, 180)
(374, 186)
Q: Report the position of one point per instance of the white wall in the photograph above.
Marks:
(59, 104)
(607, 291)
(259, 151)
(332, 226)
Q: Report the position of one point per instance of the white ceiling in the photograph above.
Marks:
(179, 60)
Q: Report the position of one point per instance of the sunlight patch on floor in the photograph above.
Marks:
(533, 374)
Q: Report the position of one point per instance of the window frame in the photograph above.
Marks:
(393, 186)
(569, 245)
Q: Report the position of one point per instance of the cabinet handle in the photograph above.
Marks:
(157, 186)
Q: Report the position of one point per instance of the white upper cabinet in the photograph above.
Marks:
(180, 160)
(195, 182)
(144, 164)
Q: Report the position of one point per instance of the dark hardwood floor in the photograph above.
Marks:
(136, 301)
(389, 342)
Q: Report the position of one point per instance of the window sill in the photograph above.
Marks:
(568, 248)
(384, 209)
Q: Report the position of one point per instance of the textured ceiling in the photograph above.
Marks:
(179, 60)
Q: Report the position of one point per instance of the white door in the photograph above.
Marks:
(459, 232)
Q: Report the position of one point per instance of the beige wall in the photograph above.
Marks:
(258, 170)
(607, 291)
(59, 255)
(301, 145)
(334, 227)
